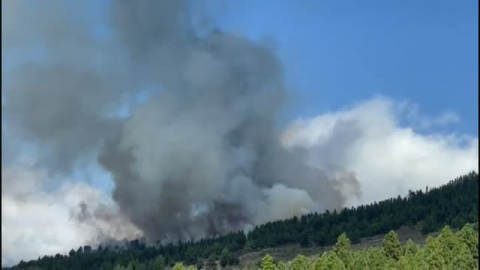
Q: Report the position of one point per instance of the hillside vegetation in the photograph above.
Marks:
(454, 204)
(446, 251)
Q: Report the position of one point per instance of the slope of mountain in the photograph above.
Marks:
(453, 204)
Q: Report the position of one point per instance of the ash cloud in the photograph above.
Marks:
(201, 156)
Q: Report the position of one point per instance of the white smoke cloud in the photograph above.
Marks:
(388, 159)
(38, 222)
(367, 139)
(283, 202)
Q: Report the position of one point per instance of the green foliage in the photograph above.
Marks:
(178, 266)
(283, 266)
(119, 267)
(228, 258)
(267, 263)
(469, 236)
(329, 260)
(342, 250)
(376, 258)
(446, 251)
(391, 246)
(468, 239)
(417, 261)
(463, 258)
(360, 260)
(449, 244)
(404, 263)
(301, 263)
(199, 264)
(410, 249)
(452, 204)
(159, 263)
(211, 263)
(433, 254)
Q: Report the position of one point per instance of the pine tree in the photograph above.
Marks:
(178, 266)
(360, 260)
(410, 249)
(71, 253)
(132, 265)
(159, 263)
(226, 257)
(342, 249)
(376, 258)
(462, 258)
(448, 242)
(329, 261)
(432, 254)
(283, 266)
(320, 262)
(119, 267)
(417, 261)
(391, 246)
(301, 263)
(267, 263)
(469, 236)
(199, 263)
(211, 263)
(404, 263)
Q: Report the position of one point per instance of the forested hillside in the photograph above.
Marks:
(453, 204)
(446, 251)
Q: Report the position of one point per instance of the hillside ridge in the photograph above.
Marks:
(453, 204)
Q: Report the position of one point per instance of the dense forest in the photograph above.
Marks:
(454, 204)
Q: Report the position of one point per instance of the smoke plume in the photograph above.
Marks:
(201, 156)
(183, 117)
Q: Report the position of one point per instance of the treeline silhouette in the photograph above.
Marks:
(453, 204)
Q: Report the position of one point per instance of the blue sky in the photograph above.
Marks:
(336, 53)
(339, 52)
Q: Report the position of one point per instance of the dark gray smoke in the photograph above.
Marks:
(201, 156)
